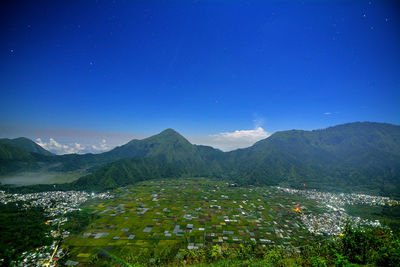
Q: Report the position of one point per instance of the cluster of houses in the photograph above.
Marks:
(43, 256)
(342, 199)
(56, 204)
(194, 214)
(335, 218)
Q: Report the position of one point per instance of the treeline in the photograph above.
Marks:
(77, 221)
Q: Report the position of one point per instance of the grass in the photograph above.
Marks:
(225, 213)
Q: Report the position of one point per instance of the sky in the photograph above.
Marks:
(85, 76)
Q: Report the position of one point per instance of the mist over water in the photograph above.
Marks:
(39, 177)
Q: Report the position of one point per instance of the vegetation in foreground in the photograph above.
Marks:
(230, 226)
(356, 246)
(100, 233)
(21, 230)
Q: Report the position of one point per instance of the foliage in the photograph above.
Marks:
(21, 230)
(369, 245)
(365, 246)
(78, 220)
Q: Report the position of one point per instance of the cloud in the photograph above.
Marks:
(58, 148)
(102, 147)
(331, 113)
(244, 135)
(227, 141)
(258, 121)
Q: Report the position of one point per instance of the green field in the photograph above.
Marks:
(163, 216)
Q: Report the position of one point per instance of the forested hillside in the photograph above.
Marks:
(359, 156)
(26, 144)
(362, 157)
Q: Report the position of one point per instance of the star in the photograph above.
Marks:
(12, 50)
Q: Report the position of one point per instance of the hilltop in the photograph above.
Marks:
(26, 144)
(361, 156)
(356, 156)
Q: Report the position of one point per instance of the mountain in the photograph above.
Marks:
(168, 143)
(14, 158)
(26, 144)
(22, 154)
(362, 156)
(171, 145)
(167, 154)
(355, 156)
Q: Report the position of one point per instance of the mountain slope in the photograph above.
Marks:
(166, 142)
(167, 154)
(356, 156)
(14, 158)
(350, 157)
(26, 144)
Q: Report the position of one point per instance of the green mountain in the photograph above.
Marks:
(26, 144)
(168, 143)
(358, 156)
(14, 158)
(167, 154)
(355, 156)
(22, 154)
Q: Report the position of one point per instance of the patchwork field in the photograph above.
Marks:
(164, 216)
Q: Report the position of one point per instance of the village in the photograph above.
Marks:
(332, 221)
(186, 214)
(56, 205)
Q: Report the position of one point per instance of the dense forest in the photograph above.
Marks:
(21, 230)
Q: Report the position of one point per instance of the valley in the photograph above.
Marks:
(164, 201)
(155, 217)
(163, 220)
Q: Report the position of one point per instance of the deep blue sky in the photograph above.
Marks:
(201, 67)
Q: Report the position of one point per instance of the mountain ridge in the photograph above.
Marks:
(27, 144)
(361, 155)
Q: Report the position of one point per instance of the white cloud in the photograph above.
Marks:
(102, 146)
(227, 141)
(58, 148)
(331, 113)
(245, 135)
